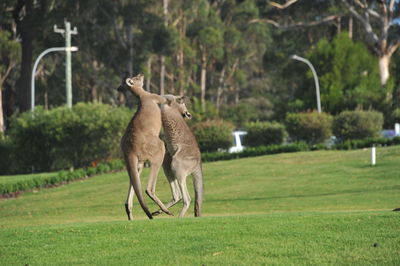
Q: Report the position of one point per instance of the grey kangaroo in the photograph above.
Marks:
(141, 143)
(182, 157)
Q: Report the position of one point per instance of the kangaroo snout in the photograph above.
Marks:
(187, 115)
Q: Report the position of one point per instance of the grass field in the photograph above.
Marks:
(323, 207)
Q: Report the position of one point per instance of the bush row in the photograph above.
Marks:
(59, 178)
(315, 128)
(68, 176)
(255, 151)
(366, 143)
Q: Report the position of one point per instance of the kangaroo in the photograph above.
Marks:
(182, 157)
(141, 143)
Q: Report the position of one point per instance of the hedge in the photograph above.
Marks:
(366, 143)
(264, 133)
(65, 137)
(357, 124)
(60, 177)
(255, 151)
(213, 135)
(312, 128)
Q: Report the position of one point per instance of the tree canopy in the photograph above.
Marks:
(231, 56)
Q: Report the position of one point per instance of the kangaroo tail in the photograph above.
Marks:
(198, 190)
(132, 167)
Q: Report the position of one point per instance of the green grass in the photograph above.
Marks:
(323, 207)
(286, 239)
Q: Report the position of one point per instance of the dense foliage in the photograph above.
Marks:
(264, 133)
(311, 127)
(64, 138)
(233, 56)
(357, 124)
(213, 135)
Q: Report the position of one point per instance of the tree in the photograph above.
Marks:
(207, 33)
(382, 32)
(348, 75)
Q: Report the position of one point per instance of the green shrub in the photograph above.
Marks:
(60, 177)
(64, 138)
(312, 128)
(6, 162)
(395, 116)
(366, 143)
(357, 124)
(264, 133)
(213, 134)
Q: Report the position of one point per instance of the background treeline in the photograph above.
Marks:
(232, 57)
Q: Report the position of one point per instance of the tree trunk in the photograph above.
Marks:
(162, 75)
(1, 112)
(237, 99)
(46, 99)
(24, 82)
(351, 27)
(203, 81)
(129, 67)
(22, 15)
(94, 94)
(220, 88)
(384, 62)
(181, 61)
(162, 70)
(148, 78)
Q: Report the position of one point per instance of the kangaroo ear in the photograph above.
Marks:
(183, 99)
(169, 98)
(129, 82)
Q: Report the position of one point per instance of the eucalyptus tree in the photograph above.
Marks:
(206, 33)
(379, 19)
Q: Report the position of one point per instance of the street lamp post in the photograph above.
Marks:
(296, 57)
(54, 49)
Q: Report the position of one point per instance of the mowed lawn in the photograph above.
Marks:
(323, 207)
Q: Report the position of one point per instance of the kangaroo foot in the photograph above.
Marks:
(128, 212)
(156, 213)
(167, 212)
(161, 211)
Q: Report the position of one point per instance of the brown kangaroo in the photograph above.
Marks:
(141, 143)
(182, 157)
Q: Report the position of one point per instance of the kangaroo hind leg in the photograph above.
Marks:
(131, 194)
(132, 165)
(198, 190)
(173, 183)
(151, 186)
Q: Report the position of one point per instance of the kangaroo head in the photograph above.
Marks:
(127, 83)
(178, 103)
